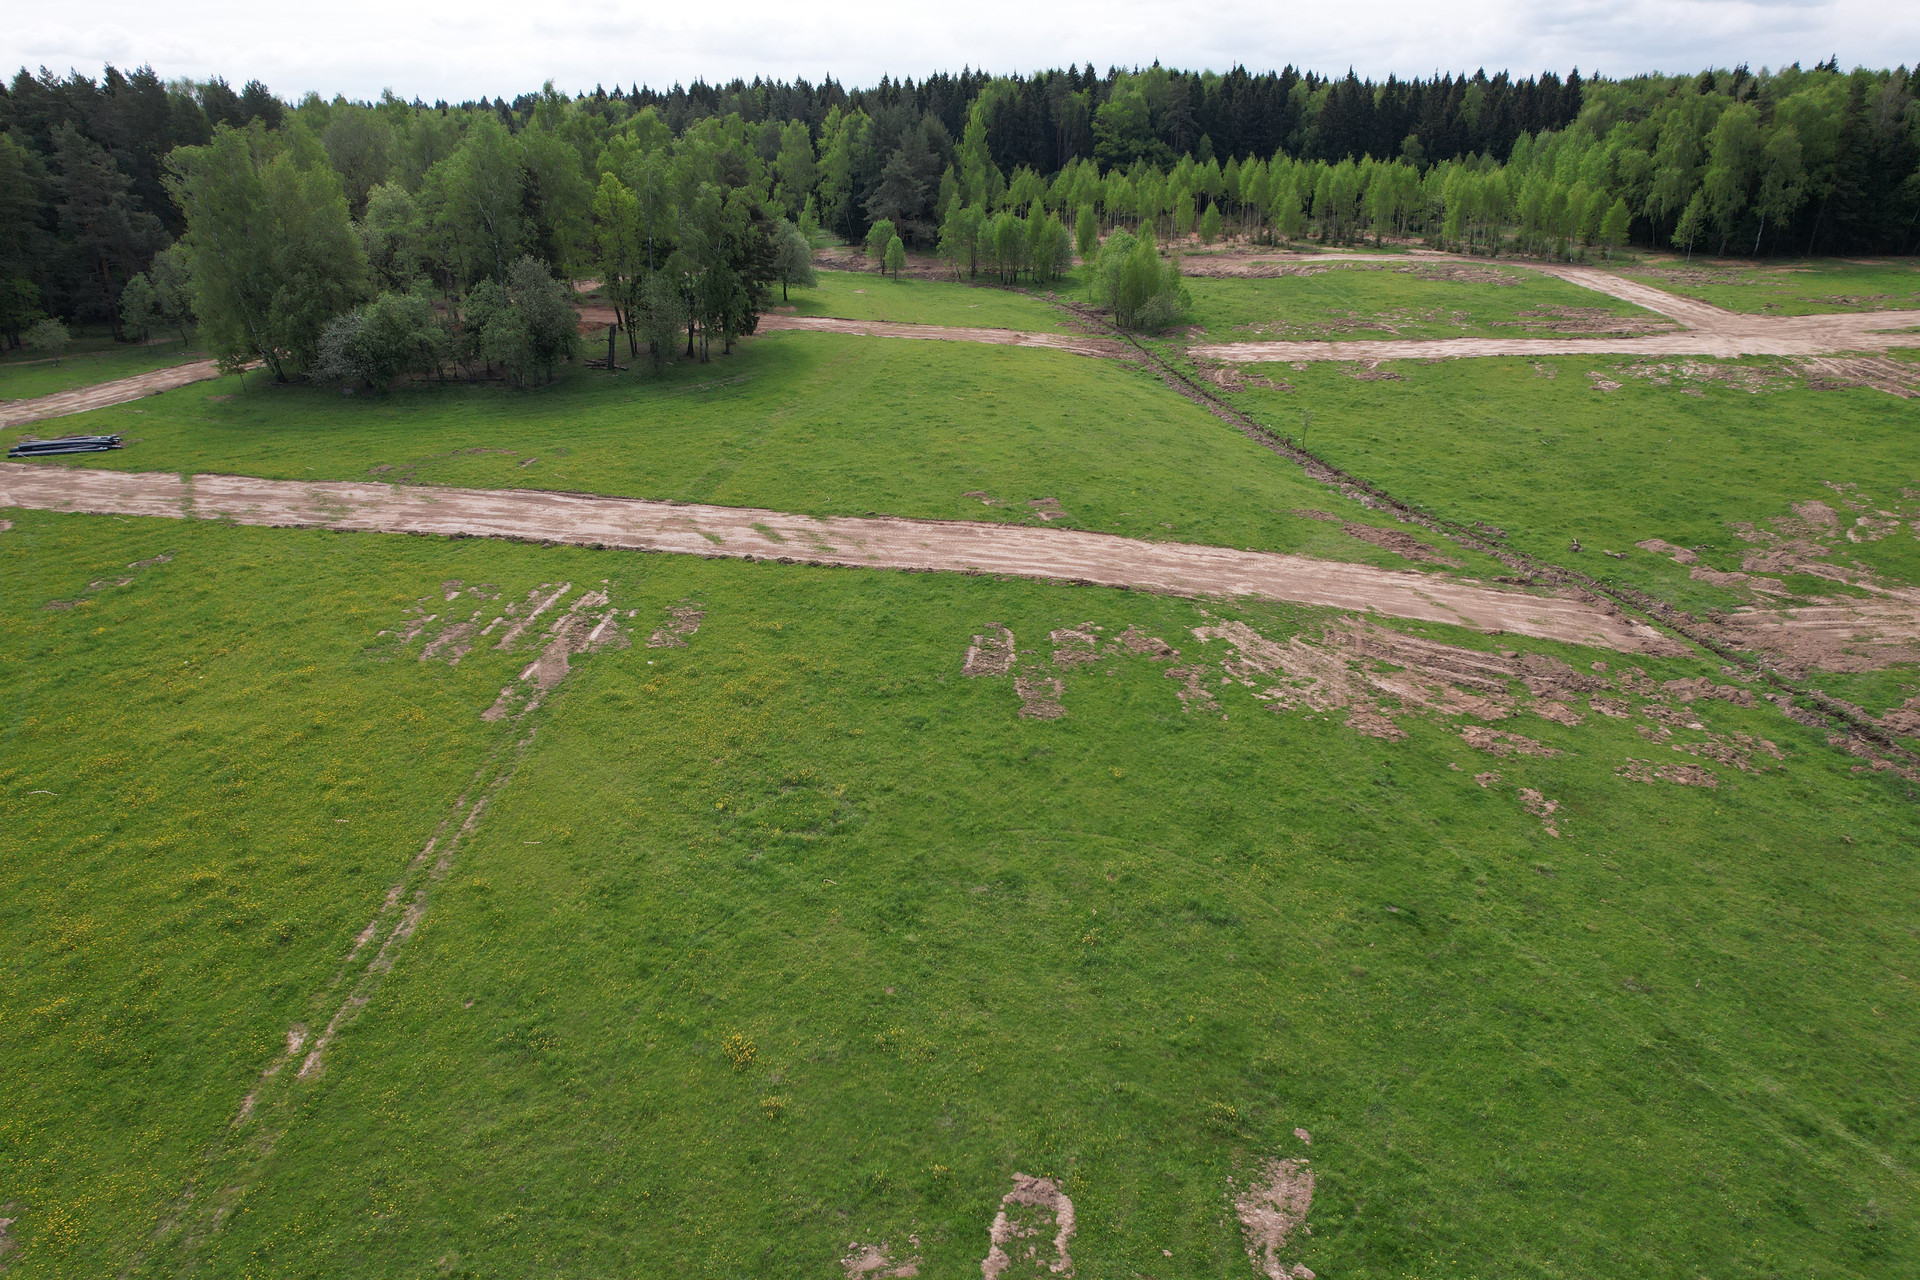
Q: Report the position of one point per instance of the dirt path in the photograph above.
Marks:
(878, 543)
(1075, 343)
(1737, 336)
(101, 394)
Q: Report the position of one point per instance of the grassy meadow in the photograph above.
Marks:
(813, 423)
(25, 375)
(859, 295)
(1417, 300)
(1813, 286)
(1537, 449)
(941, 943)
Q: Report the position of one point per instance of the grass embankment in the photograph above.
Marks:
(960, 943)
(1414, 300)
(812, 423)
(1811, 286)
(857, 295)
(23, 376)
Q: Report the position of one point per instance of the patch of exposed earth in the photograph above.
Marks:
(1870, 625)
(875, 542)
(1272, 1209)
(1030, 1233)
(1375, 680)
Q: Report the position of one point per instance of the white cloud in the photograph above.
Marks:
(487, 47)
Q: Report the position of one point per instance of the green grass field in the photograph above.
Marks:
(858, 295)
(1802, 288)
(795, 938)
(24, 376)
(811, 423)
(958, 943)
(1360, 300)
(1553, 459)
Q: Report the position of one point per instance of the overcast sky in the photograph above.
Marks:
(503, 47)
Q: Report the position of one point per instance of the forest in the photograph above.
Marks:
(371, 239)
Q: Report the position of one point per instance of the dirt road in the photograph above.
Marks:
(875, 542)
(1731, 336)
(101, 394)
(1076, 343)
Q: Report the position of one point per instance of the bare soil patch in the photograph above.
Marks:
(1040, 697)
(1030, 1233)
(1685, 775)
(1271, 1209)
(1501, 743)
(872, 1261)
(990, 654)
(683, 620)
(1895, 377)
(1540, 807)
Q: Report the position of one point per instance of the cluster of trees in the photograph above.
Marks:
(691, 204)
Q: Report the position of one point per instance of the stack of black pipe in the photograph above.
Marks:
(66, 444)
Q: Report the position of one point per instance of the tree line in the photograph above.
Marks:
(692, 204)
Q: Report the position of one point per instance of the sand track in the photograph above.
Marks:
(875, 542)
(1075, 343)
(101, 394)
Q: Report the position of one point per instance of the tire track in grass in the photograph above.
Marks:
(235, 1162)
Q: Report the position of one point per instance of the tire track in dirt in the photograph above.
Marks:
(102, 394)
(1098, 559)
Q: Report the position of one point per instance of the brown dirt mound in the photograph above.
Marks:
(1030, 1232)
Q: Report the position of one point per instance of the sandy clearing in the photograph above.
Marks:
(101, 394)
(947, 333)
(875, 542)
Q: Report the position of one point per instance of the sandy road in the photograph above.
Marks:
(874, 542)
(101, 394)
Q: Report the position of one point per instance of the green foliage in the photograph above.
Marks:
(1086, 232)
(1142, 291)
(896, 255)
(47, 338)
(395, 335)
(525, 327)
(793, 259)
(1210, 224)
(878, 235)
(274, 257)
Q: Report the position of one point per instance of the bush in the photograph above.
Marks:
(896, 256)
(877, 237)
(528, 325)
(1143, 292)
(48, 337)
(395, 334)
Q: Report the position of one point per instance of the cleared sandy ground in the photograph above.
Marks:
(874, 542)
(13, 413)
